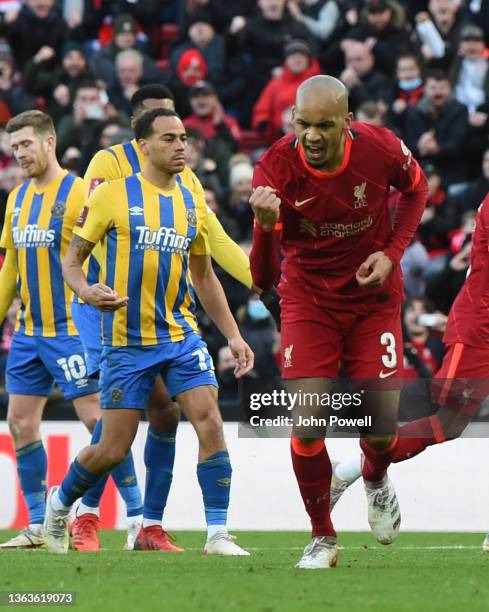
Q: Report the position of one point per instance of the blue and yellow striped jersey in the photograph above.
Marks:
(148, 234)
(122, 160)
(38, 225)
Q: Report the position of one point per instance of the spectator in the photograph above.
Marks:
(102, 62)
(129, 78)
(240, 175)
(471, 197)
(262, 39)
(369, 112)
(204, 167)
(477, 11)
(436, 129)
(443, 288)
(437, 220)
(363, 80)
(423, 346)
(438, 32)
(224, 12)
(409, 87)
(470, 74)
(57, 85)
(382, 28)
(191, 68)
(13, 97)
(321, 17)
(38, 24)
(221, 131)
(258, 329)
(80, 129)
(202, 37)
(280, 92)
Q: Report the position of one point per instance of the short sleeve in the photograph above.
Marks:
(96, 215)
(405, 172)
(201, 245)
(6, 239)
(74, 205)
(263, 175)
(102, 168)
(194, 182)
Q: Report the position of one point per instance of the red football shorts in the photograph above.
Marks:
(462, 382)
(315, 341)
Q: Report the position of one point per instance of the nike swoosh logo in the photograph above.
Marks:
(383, 374)
(300, 203)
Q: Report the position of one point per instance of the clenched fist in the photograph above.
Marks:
(266, 206)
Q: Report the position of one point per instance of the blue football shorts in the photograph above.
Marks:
(35, 363)
(88, 322)
(128, 373)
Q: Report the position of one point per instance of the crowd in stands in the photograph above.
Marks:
(419, 67)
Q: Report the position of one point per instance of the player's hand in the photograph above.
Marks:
(103, 297)
(374, 271)
(245, 359)
(266, 205)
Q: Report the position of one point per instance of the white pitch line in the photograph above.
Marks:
(374, 548)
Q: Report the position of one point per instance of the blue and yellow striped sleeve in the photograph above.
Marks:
(6, 239)
(200, 245)
(226, 253)
(96, 216)
(103, 167)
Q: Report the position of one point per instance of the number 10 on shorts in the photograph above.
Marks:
(74, 367)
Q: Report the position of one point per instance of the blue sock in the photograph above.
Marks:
(76, 483)
(124, 476)
(32, 466)
(214, 476)
(159, 457)
(93, 495)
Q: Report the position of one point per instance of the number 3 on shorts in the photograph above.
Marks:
(388, 340)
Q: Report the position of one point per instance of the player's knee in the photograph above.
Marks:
(23, 429)
(379, 443)
(210, 422)
(90, 421)
(164, 419)
(110, 457)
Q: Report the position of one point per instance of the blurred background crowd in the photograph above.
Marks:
(420, 67)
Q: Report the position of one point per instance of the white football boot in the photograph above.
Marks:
(30, 537)
(223, 544)
(56, 532)
(384, 514)
(321, 553)
(133, 529)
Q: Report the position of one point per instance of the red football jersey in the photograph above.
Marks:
(331, 222)
(468, 321)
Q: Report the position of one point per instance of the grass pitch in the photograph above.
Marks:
(421, 571)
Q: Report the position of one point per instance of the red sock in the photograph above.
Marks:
(312, 469)
(376, 462)
(425, 432)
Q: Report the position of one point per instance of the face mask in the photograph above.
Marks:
(257, 311)
(410, 85)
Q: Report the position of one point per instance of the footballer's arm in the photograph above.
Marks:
(99, 295)
(8, 282)
(213, 299)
